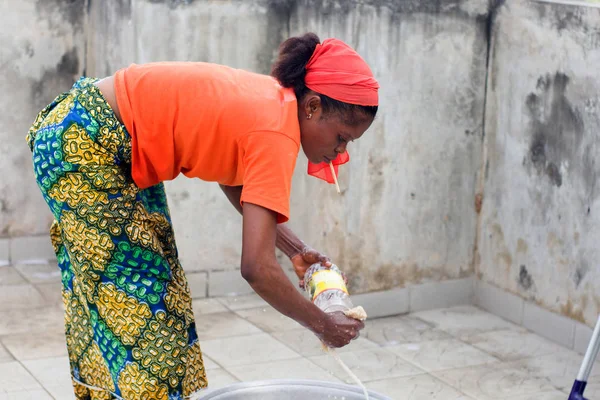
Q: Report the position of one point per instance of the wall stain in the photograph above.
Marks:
(569, 310)
(525, 279)
(580, 272)
(478, 202)
(73, 11)
(56, 80)
(554, 244)
(522, 246)
(278, 29)
(506, 258)
(503, 256)
(377, 182)
(556, 128)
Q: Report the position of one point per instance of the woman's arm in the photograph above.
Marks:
(265, 275)
(286, 241)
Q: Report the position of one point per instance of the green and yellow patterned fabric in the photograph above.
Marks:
(128, 313)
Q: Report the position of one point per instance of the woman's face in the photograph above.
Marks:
(324, 136)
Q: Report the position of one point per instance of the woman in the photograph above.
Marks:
(101, 152)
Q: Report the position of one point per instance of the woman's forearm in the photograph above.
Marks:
(288, 242)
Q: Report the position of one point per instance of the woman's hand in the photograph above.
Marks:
(338, 329)
(305, 259)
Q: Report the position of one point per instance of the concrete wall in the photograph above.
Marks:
(238, 33)
(42, 51)
(540, 221)
(406, 214)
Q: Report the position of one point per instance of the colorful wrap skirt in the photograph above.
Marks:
(128, 313)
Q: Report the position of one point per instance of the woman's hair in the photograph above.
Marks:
(290, 68)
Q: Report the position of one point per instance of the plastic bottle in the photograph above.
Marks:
(327, 288)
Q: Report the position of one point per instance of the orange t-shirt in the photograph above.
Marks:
(211, 122)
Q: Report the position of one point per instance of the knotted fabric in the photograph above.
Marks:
(337, 71)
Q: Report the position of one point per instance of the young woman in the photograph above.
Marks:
(101, 152)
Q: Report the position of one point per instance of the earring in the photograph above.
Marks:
(309, 116)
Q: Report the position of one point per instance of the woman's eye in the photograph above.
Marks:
(341, 139)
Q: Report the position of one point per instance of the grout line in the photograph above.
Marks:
(573, 333)
(3, 346)
(233, 336)
(522, 319)
(214, 361)
(30, 373)
(207, 285)
(255, 363)
(410, 300)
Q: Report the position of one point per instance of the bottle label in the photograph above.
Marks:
(326, 280)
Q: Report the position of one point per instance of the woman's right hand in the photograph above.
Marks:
(338, 329)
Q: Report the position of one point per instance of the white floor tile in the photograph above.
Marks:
(38, 394)
(268, 319)
(438, 355)
(549, 395)
(206, 306)
(220, 325)
(36, 344)
(5, 356)
(368, 365)
(61, 392)
(306, 343)
(52, 371)
(243, 302)
(40, 273)
(464, 321)
(559, 368)
(16, 297)
(397, 330)
(209, 363)
(246, 350)
(51, 292)
(297, 368)
(15, 378)
(218, 378)
(10, 276)
(494, 381)
(511, 345)
(418, 387)
(31, 320)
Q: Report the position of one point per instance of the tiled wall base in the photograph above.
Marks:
(562, 330)
(26, 249)
(4, 251)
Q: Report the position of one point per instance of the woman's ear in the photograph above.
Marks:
(312, 106)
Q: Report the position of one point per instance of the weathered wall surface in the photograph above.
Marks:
(406, 214)
(238, 33)
(407, 211)
(540, 221)
(42, 52)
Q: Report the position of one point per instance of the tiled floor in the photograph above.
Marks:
(449, 354)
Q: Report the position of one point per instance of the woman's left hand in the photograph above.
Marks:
(305, 259)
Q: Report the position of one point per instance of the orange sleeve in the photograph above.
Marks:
(269, 161)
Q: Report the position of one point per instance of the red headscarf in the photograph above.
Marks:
(337, 71)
